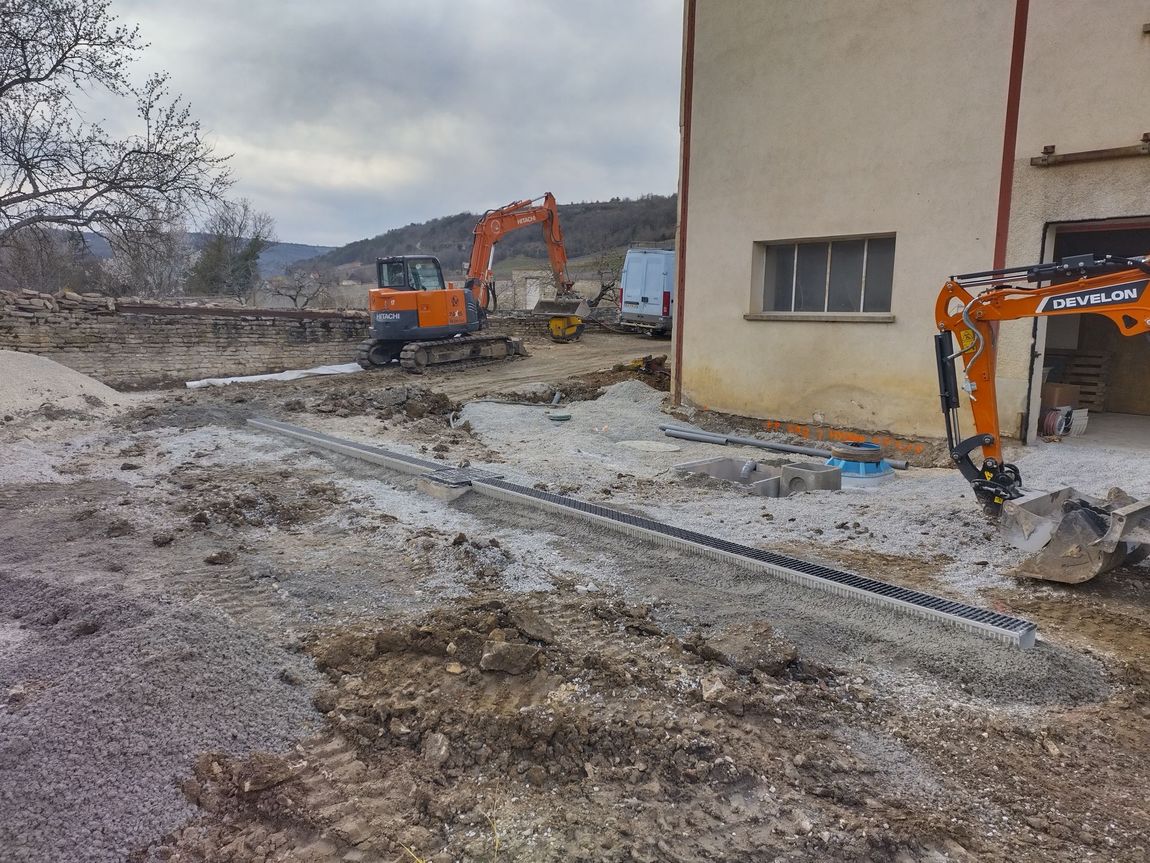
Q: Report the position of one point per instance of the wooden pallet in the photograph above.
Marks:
(1087, 370)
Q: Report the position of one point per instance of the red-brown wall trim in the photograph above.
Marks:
(1010, 132)
(684, 176)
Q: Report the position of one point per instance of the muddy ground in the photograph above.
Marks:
(216, 645)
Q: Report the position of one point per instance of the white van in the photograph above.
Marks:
(648, 290)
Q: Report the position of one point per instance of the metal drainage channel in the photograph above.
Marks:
(980, 621)
(365, 452)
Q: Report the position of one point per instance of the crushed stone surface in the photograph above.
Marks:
(107, 700)
(924, 513)
(910, 654)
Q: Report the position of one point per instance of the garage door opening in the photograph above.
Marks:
(1105, 373)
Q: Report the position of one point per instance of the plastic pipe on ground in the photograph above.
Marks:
(897, 464)
(712, 437)
(701, 437)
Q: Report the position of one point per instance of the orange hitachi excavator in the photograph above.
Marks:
(496, 224)
(567, 310)
(1074, 537)
(421, 320)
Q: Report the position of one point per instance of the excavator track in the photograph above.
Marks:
(417, 356)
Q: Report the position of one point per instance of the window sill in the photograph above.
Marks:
(831, 317)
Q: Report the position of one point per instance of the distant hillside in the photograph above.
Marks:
(273, 262)
(588, 229)
(276, 259)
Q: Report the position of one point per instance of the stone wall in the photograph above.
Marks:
(133, 345)
(130, 344)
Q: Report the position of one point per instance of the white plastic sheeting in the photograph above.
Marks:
(290, 375)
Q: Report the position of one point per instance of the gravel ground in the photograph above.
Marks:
(107, 701)
(536, 549)
(924, 513)
(108, 691)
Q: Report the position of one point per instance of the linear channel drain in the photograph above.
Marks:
(375, 454)
(980, 621)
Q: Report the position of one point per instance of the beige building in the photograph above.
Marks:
(841, 158)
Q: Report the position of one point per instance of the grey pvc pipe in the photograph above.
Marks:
(779, 447)
(701, 437)
(711, 437)
(897, 464)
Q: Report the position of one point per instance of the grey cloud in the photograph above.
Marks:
(351, 117)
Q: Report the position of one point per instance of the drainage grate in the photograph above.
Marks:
(461, 476)
(374, 454)
(979, 620)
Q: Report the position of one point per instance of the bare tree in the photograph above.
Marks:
(235, 235)
(56, 168)
(151, 263)
(608, 267)
(302, 287)
(49, 260)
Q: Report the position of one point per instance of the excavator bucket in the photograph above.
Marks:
(1074, 537)
(563, 307)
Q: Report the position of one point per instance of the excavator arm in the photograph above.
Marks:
(1101, 534)
(496, 224)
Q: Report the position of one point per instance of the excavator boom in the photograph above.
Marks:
(494, 225)
(1074, 536)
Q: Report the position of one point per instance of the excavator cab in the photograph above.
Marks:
(421, 320)
(410, 273)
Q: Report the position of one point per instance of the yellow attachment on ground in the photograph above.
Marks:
(565, 328)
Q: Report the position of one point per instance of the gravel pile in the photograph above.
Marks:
(105, 700)
(29, 382)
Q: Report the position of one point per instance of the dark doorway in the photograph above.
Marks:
(1112, 371)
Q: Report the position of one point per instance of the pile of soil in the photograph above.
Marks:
(549, 730)
(651, 370)
(33, 383)
(276, 499)
(407, 401)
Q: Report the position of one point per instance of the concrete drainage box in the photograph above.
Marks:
(765, 479)
(811, 476)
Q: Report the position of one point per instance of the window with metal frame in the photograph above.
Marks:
(852, 274)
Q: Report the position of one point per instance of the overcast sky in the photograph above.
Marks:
(349, 117)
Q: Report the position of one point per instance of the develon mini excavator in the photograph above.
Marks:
(1074, 537)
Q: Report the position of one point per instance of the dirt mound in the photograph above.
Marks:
(407, 401)
(588, 387)
(280, 498)
(570, 730)
(32, 383)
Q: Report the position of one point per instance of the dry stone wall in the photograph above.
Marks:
(128, 344)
